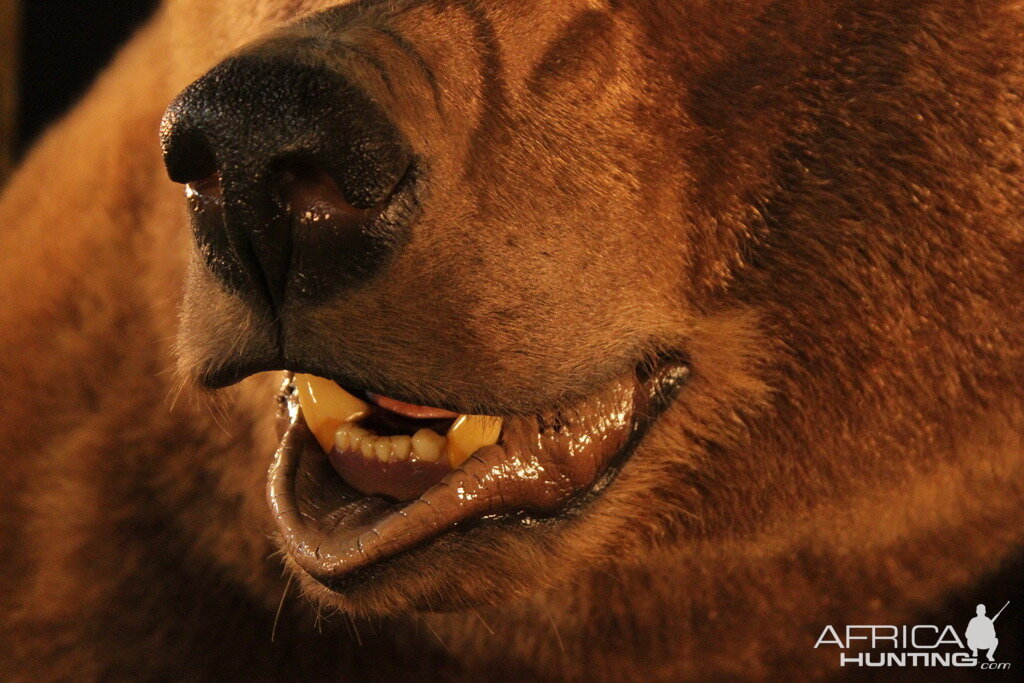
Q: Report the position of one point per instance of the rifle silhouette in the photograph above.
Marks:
(1000, 612)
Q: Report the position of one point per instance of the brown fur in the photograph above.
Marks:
(819, 202)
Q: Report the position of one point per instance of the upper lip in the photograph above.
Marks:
(229, 372)
(333, 533)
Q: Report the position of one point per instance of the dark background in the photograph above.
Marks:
(63, 46)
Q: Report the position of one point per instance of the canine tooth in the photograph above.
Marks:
(470, 433)
(326, 407)
(401, 447)
(427, 445)
(383, 449)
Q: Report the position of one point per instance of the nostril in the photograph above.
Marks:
(208, 186)
(205, 194)
(187, 155)
(307, 192)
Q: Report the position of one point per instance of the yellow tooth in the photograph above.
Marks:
(469, 433)
(383, 449)
(326, 407)
(403, 447)
(427, 445)
(342, 438)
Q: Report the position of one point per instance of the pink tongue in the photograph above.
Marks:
(410, 410)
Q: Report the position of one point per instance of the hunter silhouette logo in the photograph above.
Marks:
(981, 633)
(922, 645)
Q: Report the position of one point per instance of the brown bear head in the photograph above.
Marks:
(703, 261)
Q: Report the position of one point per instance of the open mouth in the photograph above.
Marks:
(360, 478)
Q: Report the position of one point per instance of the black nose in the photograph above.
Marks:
(293, 176)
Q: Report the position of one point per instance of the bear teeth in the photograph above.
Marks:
(332, 415)
(326, 406)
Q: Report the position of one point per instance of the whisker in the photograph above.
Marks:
(280, 606)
